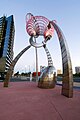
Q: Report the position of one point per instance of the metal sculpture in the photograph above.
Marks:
(47, 78)
(50, 62)
(67, 81)
(11, 68)
(39, 25)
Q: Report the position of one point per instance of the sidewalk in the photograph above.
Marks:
(75, 84)
(25, 101)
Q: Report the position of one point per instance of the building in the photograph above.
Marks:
(59, 71)
(7, 31)
(77, 69)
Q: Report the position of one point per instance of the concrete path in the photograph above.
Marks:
(25, 101)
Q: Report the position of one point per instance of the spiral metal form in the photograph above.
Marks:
(37, 25)
(50, 62)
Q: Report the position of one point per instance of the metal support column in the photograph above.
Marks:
(36, 63)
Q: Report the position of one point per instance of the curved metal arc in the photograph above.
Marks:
(11, 68)
(64, 47)
(67, 86)
(20, 54)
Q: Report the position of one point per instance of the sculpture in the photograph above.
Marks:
(40, 26)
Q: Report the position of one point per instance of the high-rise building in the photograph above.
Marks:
(7, 31)
(77, 69)
(59, 71)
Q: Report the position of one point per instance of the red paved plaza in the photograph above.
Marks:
(25, 101)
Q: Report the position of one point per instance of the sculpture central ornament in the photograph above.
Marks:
(38, 26)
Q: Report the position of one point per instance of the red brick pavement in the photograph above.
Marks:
(25, 101)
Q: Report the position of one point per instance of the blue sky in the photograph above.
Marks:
(67, 15)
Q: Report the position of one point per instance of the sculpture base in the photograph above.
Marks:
(67, 92)
(46, 84)
(5, 84)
